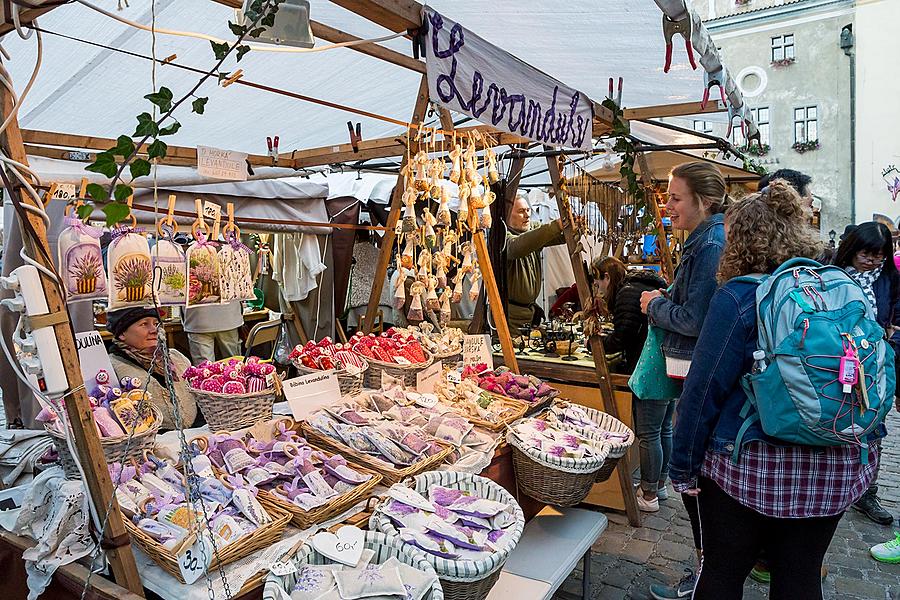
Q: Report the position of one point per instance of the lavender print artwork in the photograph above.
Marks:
(84, 271)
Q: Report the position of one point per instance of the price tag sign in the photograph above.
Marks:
(307, 393)
(64, 191)
(212, 211)
(282, 569)
(194, 561)
(427, 379)
(477, 350)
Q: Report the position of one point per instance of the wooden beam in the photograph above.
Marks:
(88, 157)
(662, 242)
(573, 244)
(78, 409)
(673, 110)
(396, 15)
(387, 242)
(26, 15)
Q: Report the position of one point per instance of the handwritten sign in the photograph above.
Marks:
(471, 76)
(345, 547)
(477, 350)
(194, 561)
(212, 211)
(64, 191)
(93, 358)
(221, 164)
(307, 393)
(428, 378)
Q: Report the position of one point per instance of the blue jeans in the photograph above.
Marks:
(653, 428)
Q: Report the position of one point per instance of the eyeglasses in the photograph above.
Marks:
(872, 259)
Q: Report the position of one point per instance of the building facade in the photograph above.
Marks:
(788, 60)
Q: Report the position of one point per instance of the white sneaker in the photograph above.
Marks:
(647, 505)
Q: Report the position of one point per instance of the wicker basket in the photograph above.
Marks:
(463, 579)
(263, 537)
(385, 547)
(113, 447)
(554, 480)
(406, 373)
(389, 473)
(604, 422)
(351, 383)
(236, 411)
(450, 359)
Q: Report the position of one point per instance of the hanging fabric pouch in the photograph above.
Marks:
(81, 261)
(169, 268)
(203, 272)
(236, 277)
(130, 270)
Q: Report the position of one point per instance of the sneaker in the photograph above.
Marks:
(646, 505)
(869, 506)
(888, 552)
(681, 590)
(761, 573)
(662, 493)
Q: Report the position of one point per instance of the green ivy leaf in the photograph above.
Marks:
(268, 20)
(199, 105)
(104, 163)
(146, 126)
(162, 99)
(124, 146)
(241, 51)
(139, 168)
(115, 212)
(255, 33)
(156, 150)
(236, 29)
(170, 129)
(84, 211)
(220, 50)
(223, 76)
(97, 192)
(122, 192)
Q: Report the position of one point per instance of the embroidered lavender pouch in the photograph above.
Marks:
(417, 583)
(314, 581)
(374, 580)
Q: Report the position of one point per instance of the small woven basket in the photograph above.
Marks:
(558, 481)
(236, 411)
(114, 448)
(406, 373)
(385, 547)
(351, 384)
(450, 359)
(463, 579)
(605, 423)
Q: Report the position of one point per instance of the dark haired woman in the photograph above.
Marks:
(866, 252)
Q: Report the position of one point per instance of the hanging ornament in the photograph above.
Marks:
(436, 171)
(489, 196)
(203, 270)
(485, 221)
(456, 298)
(424, 265)
(430, 222)
(407, 259)
(467, 266)
(81, 261)
(493, 174)
(409, 211)
(400, 290)
(464, 193)
(421, 167)
(417, 290)
(445, 314)
(169, 264)
(476, 286)
(432, 302)
(456, 163)
(476, 199)
(130, 271)
(443, 214)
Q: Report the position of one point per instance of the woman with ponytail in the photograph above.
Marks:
(780, 498)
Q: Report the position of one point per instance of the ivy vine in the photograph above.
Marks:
(112, 162)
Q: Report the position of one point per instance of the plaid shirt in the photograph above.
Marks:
(793, 481)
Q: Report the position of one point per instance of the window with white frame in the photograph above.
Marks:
(806, 124)
(783, 47)
(703, 126)
(761, 116)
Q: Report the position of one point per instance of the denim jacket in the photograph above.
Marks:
(707, 416)
(681, 314)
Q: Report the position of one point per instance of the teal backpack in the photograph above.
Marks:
(816, 329)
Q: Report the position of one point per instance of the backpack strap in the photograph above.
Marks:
(754, 278)
(797, 262)
(738, 441)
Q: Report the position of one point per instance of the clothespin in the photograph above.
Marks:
(683, 27)
(216, 223)
(355, 136)
(233, 77)
(272, 143)
(49, 195)
(618, 97)
(716, 78)
(169, 219)
(169, 58)
(200, 222)
(230, 227)
(130, 211)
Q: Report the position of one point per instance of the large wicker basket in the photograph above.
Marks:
(263, 537)
(406, 373)
(559, 481)
(385, 547)
(451, 358)
(115, 449)
(463, 579)
(236, 411)
(605, 422)
(351, 383)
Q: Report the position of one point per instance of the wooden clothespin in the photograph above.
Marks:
(169, 58)
(49, 195)
(200, 223)
(233, 77)
(355, 136)
(75, 202)
(230, 227)
(131, 211)
(216, 223)
(169, 219)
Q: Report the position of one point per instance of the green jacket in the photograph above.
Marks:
(524, 274)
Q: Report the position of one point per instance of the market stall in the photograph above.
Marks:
(409, 417)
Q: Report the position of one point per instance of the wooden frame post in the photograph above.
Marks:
(387, 242)
(573, 244)
(87, 443)
(665, 253)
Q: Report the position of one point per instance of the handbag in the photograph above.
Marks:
(649, 380)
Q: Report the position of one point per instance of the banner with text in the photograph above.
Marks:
(221, 164)
(468, 75)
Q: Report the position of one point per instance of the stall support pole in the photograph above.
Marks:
(662, 242)
(387, 242)
(87, 443)
(573, 244)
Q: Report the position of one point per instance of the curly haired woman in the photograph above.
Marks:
(781, 498)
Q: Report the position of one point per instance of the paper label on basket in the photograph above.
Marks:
(345, 547)
(318, 485)
(282, 568)
(428, 378)
(307, 393)
(237, 459)
(477, 350)
(352, 369)
(194, 561)
(401, 360)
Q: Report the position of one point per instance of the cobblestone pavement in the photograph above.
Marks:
(627, 560)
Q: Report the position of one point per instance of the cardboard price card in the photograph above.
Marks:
(428, 378)
(477, 349)
(307, 393)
